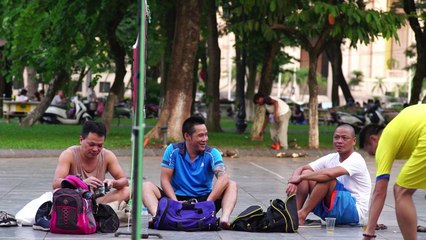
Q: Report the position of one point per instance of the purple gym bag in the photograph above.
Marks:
(185, 216)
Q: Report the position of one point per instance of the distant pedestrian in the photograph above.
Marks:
(59, 99)
(278, 115)
(22, 97)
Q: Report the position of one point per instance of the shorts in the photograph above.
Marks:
(342, 206)
(217, 203)
(412, 174)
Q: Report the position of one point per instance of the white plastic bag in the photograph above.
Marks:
(26, 216)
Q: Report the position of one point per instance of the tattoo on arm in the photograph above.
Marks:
(219, 171)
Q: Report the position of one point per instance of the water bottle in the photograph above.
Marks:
(145, 222)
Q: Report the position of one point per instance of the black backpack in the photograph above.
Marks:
(250, 220)
(282, 216)
(279, 217)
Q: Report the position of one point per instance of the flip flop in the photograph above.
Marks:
(310, 223)
(7, 220)
(380, 226)
(421, 229)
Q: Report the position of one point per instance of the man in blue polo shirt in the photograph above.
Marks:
(187, 172)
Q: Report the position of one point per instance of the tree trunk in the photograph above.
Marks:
(420, 36)
(83, 73)
(266, 78)
(200, 76)
(118, 54)
(32, 84)
(240, 118)
(165, 58)
(213, 71)
(313, 101)
(265, 87)
(334, 53)
(38, 112)
(5, 87)
(178, 98)
(250, 91)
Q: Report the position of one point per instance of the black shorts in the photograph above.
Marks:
(217, 203)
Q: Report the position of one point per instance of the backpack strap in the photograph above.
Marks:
(74, 182)
(182, 148)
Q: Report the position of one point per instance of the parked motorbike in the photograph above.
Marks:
(369, 116)
(77, 115)
(121, 109)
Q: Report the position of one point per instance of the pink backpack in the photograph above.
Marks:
(72, 211)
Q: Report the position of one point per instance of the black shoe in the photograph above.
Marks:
(42, 224)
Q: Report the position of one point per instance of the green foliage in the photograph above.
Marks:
(356, 78)
(379, 85)
(153, 92)
(52, 36)
(45, 136)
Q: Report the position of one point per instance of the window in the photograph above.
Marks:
(104, 87)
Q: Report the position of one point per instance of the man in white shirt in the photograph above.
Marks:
(59, 99)
(22, 97)
(278, 114)
(337, 185)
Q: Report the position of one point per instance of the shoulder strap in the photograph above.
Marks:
(182, 148)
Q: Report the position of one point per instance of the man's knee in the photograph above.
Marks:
(149, 186)
(122, 194)
(232, 186)
(399, 191)
(151, 189)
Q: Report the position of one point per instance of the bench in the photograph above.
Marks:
(17, 109)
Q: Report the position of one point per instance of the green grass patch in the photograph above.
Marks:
(43, 136)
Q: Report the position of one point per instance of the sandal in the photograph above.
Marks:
(7, 220)
(421, 229)
(380, 226)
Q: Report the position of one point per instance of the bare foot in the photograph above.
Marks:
(302, 217)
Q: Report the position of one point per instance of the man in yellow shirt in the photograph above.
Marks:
(403, 138)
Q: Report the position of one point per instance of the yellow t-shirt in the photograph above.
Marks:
(403, 138)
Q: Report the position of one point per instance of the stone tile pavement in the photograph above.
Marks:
(26, 174)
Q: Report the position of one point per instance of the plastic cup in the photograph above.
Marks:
(329, 224)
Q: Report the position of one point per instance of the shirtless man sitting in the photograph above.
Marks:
(92, 161)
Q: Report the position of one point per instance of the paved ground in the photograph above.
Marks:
(25, 175)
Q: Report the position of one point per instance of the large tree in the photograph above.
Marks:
(48, 36)
(213, 69)
(258, 48)
(308, 23)
(416, 18)
(178, 96)
(113, 14)
(59, 38)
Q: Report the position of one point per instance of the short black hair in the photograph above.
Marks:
(367, 131)
(188, 124)
(347, 126)
(93, 127)
(257, 96)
